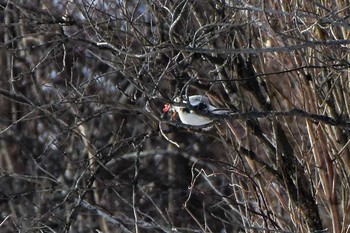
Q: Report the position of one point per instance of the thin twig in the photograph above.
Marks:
(134, 188)
(225, 51)
(166, 137)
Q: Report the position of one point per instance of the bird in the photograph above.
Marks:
(188, 111)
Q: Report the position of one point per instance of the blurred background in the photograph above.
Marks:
(85, 147)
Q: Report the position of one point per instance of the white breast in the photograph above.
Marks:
(191, 118)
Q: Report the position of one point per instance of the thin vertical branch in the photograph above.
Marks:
(135, 188)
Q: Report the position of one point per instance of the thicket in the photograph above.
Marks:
(84, 146)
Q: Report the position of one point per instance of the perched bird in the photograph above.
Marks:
(188, 111)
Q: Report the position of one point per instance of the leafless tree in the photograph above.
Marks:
(85, 147)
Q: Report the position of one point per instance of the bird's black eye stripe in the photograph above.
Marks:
(201, 107)
(187, 110)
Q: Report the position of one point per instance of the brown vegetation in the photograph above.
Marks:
(83, 145)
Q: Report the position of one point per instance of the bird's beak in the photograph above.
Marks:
(174, 115)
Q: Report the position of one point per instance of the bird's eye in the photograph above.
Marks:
(166, 108)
